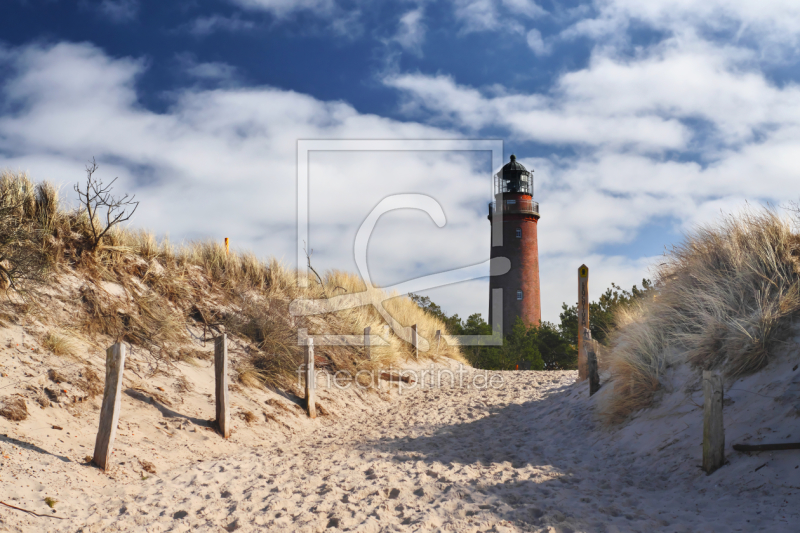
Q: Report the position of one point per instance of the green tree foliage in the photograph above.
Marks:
(452, 323)
(547, 346)
(601, 312)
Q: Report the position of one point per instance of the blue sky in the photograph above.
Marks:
(641, 120)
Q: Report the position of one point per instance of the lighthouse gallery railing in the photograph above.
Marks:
(518, 206)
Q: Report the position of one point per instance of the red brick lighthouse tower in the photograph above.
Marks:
(514, 217)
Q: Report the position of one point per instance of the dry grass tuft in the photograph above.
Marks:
(183, 385)
(251, 378)
(55, 376)
(248, 417)
(280, 405)
(58, 344)
(38, 395)
(90, 382)
(725, 298)
(13, 408)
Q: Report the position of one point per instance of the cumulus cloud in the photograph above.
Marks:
(222, 163)
(411, 31)
(537, 44)
(766, 24)
(680, 132)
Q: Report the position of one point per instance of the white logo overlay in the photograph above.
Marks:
(375, 296)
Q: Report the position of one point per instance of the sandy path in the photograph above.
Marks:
(527, 457)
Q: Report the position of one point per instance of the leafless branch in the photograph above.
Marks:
(95, 197)
(308, 258)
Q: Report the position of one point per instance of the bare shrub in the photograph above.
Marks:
(724, 298)
(13, 408)
(95, 197)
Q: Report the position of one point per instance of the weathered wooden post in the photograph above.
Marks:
(311, 382)
(414, 341)
(109, 412)
(713, 429)
(221, 381)
(591, 363)
(367, 347)
(583, 319)
(438, 340)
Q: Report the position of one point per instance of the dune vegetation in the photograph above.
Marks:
(174, 292)
(725, 298)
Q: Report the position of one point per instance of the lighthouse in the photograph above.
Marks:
(514, 217)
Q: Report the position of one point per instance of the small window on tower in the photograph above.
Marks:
(519, 295)
(519, 233)
(511, 202)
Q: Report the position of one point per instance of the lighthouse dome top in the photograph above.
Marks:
(514, 178)
(514, 166)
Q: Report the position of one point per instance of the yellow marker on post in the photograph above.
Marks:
(226, 246)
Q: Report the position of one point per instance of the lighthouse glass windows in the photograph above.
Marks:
(519, 233)
(519, 295)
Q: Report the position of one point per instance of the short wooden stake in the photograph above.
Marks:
(221, 380)
(583, 319)
(109, 412)
(311, 382)
(713, 429)
(414, 341)
(367, 347)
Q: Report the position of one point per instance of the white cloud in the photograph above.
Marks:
(222, 163)
(202, 26)
(411, 31)
(210, 70)
(282, 8)
(528, 8)
(536, 117)
(477, 15)
(495, 15)
(767, 23)
(537, 44)
(119, 10)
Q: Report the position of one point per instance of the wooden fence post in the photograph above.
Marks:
(713, 429)
(414, 341)
(311, 382)
(109, 412)
(583, 319)
(221, 381)
(367, 347)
